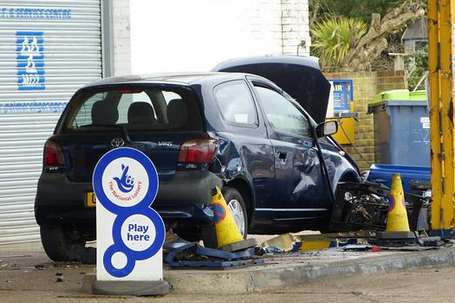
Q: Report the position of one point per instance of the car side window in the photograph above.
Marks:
(282, 114)
(236, 103)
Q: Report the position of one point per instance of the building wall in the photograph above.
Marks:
(116, 38)
(202, 33)
(366, 86)
(295, 27)
(49, 49)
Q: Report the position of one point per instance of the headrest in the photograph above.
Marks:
(177, 113)
(141, 113)
(104, 113)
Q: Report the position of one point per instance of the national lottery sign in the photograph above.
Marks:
(130, 234)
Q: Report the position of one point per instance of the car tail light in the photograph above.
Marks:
(197, 151)
(53, 155)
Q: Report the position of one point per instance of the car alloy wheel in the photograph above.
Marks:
(239, 215)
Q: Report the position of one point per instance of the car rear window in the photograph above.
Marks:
(145, 108)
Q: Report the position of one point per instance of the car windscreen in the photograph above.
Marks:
(160, 108)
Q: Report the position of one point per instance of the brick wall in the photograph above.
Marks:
(391, 80)
(366, 86)
(295, 27)
(121, 54)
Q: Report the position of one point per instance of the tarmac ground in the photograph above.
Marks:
(27, 275)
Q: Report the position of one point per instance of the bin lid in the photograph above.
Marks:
(399, 97)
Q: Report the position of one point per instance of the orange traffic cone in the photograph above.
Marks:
(227, 232)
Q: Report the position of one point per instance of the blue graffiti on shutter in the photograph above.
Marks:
(30, 60)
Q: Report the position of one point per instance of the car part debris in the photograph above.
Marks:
(316, 242)
(280, 244)
(59, 278)
(356, 247)
(360, 206)
(195, 256)
(430, 241)
(173, 241)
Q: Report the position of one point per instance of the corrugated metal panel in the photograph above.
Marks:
(48, 49)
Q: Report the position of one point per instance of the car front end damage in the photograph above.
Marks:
(365, 205)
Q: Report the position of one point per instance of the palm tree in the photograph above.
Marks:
(334, 38)
(348, 44)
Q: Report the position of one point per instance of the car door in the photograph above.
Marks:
(247, 152)
(300, 190)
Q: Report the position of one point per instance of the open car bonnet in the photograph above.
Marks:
(300, 77)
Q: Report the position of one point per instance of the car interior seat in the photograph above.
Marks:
(177, 113)
(104, 112)
(141, 113)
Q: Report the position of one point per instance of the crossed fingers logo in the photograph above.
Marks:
(125, 182)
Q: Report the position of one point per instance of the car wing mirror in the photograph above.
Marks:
(327, 128)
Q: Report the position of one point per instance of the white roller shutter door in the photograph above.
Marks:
(48, 49)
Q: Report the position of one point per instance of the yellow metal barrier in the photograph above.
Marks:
(441, 16)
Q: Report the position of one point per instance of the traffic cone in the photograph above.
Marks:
(397, 217)
(227, 232)
(397, 229)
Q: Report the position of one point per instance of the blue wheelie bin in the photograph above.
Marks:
(401, 128)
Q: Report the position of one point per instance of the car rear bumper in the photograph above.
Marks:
(184, 197)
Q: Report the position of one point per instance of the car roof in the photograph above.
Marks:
(171, 78)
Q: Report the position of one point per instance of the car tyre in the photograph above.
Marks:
(62, 246)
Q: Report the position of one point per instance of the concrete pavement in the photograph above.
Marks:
(27, 275)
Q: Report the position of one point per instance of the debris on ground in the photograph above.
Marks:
(361, 241)
(193, 255)
(59, 277)
(356, 247)
(196, 256)
(173, 241)
(280, 244)
(39, 267)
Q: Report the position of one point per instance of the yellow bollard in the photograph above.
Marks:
(397, 217)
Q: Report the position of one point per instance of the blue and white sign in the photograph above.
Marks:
(130, 234)
(30, 60)
(342, 91)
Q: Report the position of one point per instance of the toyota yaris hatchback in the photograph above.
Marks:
(277, 167)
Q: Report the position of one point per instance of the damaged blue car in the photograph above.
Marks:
(269, 150)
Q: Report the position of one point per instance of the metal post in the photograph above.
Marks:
(107, 33)
(441, 15)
